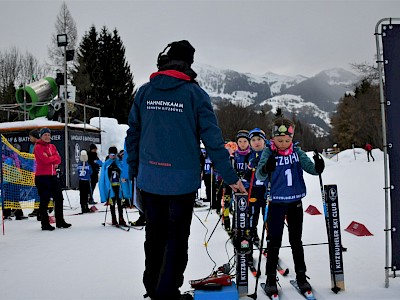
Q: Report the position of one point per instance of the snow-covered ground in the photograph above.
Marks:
(89, 261)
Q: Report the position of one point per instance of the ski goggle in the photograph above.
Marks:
(112, 154)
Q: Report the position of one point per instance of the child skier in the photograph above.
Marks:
(84, 171)
(257, 202)
(110, 185)
(227, 191)
(282, 164)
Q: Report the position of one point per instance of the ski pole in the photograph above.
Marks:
(212, 196)
(126, 210)
(215, 227)
(335, 288)
(306, 245)
(254, 296)
(108, 203)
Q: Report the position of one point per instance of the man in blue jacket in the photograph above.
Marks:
(169, 116)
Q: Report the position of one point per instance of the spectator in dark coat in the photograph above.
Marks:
(169, 116)
(95, 163)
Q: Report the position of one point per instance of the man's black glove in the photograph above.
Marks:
(319, 162)
(270, 165)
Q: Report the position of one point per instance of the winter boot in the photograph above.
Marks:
(122, 221)
(186, 296)
(84, 209)
(302, 282)
(270, 285)
(47, 227)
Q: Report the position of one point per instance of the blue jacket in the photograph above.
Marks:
(84, 172)
(169, 116)
(105, 187)
(287, 182)
(127, 185)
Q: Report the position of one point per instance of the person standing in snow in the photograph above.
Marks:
(84, 171)
(169, 116)
(368, 148)
(95, 163)
(281, 167)
(257, 203)
(110, 185)
(48, 185)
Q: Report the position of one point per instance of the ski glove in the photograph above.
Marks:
(253, 163)
(247, 174)
(319, 162)
(270, 165)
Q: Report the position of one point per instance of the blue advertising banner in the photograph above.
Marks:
(391, 57)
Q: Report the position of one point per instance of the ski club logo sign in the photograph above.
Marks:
(335, 240)
(242, 244)
(391, 47)
(77, 151)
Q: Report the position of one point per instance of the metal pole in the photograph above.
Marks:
(24, 101)
(66, 119)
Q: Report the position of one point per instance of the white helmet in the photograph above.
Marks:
(84, 156)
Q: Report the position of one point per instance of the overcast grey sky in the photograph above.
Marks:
(285, 37)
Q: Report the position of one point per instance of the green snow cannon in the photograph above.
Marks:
(37, 94)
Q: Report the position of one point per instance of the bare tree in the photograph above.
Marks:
(31, 69)
(65, 24)
(367, 71)
(10, 64)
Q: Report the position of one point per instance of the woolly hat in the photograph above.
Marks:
(282, 126)
(242, 134)
(44, 130)
(83, 156)
(257, 132)
(113, 150)
(34, 133)
(283, 129)
(92, 146)
(181, 50)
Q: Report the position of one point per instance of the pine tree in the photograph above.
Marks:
(357, 119)
(102, 75)
(87, 71)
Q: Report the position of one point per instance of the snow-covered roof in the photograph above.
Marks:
(41, 122)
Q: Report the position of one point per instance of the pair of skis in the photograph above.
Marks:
(281, 270)
(309, 295)
(124, 228)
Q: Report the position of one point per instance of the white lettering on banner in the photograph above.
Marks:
(289, 159)
(23, 139)
(292, 197)
(56, 137)
(164, 105)
(94, 140)
(243, 269)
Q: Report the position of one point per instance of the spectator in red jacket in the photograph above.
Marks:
(368, 148)
(47, 159)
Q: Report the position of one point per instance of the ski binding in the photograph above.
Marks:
(272, 297)
(307, 295)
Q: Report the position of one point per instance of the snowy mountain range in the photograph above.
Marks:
(312, 99)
